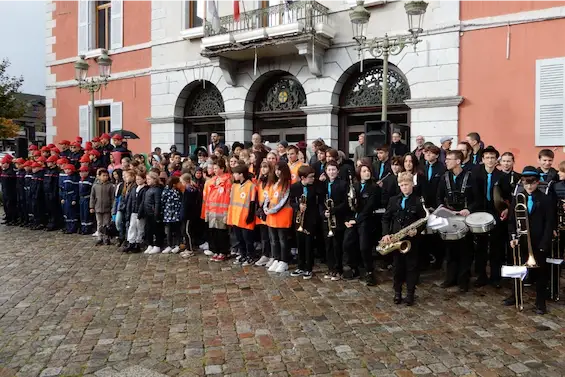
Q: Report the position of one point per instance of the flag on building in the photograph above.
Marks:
(236, 10)
(213, 15)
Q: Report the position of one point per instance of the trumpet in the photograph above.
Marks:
(300, 216)
(332, 221)
(523, 228)
(351, 199)
(382, 179)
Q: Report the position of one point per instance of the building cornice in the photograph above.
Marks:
(236, 115)
(425, 103)
(164, 120)
(320, 109)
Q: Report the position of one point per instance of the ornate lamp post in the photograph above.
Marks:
(386, 46)
(93, 84)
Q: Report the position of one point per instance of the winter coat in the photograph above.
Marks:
(152, 202)
(102, 197)
(171, 202)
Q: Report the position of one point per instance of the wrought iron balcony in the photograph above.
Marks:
(291, 19)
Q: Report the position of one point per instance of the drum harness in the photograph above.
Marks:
(456, 198)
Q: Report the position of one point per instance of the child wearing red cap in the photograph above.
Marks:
(70, 198)
(27, 187)
(76, 153)
(51, 193)
(8, 180)
(37, 197)
(65, 152)
(85, 189)
(20, 190)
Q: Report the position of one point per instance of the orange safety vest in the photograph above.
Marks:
(283, 218)
(242, 195)
(262, 194)
(294, 171)
(217, 201)
(204, 197)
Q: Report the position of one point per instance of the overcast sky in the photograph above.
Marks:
(22, 41)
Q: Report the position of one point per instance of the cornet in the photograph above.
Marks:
(300, 216)
(332, 222)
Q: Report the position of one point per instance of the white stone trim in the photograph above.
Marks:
(192, 33)
(539, 15)
(421, 103)
(114, 77)
(101, 102)
(236, 115)
(320, 109)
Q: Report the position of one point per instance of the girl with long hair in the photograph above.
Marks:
(216, 205)
(265, 181)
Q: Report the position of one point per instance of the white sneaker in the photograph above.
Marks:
(167, 250)
(294, 251)
(204, 246)
(208, 252)
(155, 250)
(95, 234)
(175, 250)
(282, 267)
(149, 248)
(270, 262)
(274, 266)
(262, 261)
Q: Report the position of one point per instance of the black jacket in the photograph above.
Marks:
(541, 221)
(191, 204)
(390, 188)
(368, 201)
(398, 149)
(9, 181)
(456, 198)
(339, 196)
(377, 169)
(551, 175)
(134, 201)
(477, 158)
(345, 170)
(430, 186)
(511, 179)
(395, 218)
(479, 182)
(311, 213)
(152, 202)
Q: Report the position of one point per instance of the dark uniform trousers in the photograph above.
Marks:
(359, 241)
(405, 267)
(334, 249)
(459, 257)
(539, 274)
(305, 251)
(489, 248)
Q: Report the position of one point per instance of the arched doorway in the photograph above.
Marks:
(276, 111)
(200, 115)
(360, 101)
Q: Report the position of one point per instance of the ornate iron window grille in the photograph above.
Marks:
(284, 94)
(206, 101)
(365, 88)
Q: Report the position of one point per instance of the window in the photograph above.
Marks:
(103, 120)
(103, 24)
(194, 11)
(550, 102)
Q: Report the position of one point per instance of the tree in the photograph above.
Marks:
(10, 106)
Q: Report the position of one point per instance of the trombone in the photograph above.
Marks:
(518, 283)
(300, 216)
(332, 221)
(523, 227)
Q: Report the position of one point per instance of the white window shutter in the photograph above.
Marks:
(550, 102)
(115, 116)
(117, 24)
(84, 26)
(84, 122)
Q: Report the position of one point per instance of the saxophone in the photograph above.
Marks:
(351, 199)
(397, 240)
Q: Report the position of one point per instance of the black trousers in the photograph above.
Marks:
(154, 232)
(540, 274)
(265, 242)
(245, 239)
(219, 241)
(432, 245)
(305, 251)
(459, 257)
(358, 243)
(319, 240)
(334, 249)
(10, 206)
(279, 244)
(489, 248)
(405, 268)
(173, 231)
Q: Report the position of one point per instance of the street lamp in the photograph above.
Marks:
(93, 84)
(386, 46)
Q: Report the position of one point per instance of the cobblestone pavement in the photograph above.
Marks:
(70, 309)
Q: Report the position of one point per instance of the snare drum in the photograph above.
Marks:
(454, 231)
(480, 222)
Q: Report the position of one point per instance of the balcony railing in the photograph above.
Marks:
(308, 13)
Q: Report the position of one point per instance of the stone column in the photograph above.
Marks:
(322, 122)
(167, 131)
(434, 118)
(238, 126)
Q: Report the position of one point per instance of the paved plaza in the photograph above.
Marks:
(68, 308)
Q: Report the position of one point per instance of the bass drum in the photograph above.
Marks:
(454, 231)
(480, 222)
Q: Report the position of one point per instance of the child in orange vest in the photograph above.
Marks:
(241, 213)
(216, 206)
(265, 179)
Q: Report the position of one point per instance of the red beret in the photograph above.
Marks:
(96, 140)
(105, 136)
(36, 165)
(95, 153)
(36, 153)
(28, 163)
(56, 150)
(75, 144)
(84, 168)
(52, 159)
(41, 159)
(88, 148)
(84, 159)
(62, 161)
(79, 139)
(70, 167)
(117, 137)
(6, 160)
(45, 149)
(64, 142)
(19, 160)
(50, 146)
(32, 147)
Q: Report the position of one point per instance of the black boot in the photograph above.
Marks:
(409, 298)
(370, 279)
(398, 298)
